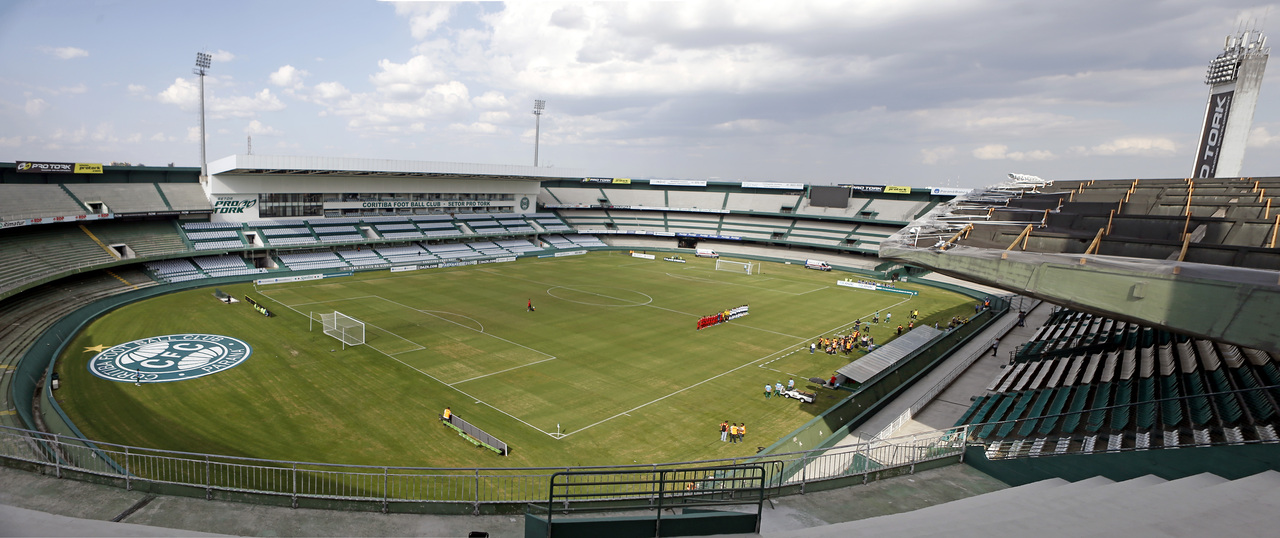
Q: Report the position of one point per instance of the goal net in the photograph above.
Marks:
(737, 267)
(343, 327)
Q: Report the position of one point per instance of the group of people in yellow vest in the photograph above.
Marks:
(732, 433)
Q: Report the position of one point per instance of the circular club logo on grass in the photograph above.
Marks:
(169, 358)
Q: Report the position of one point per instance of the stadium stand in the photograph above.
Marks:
(638, 197)
(575, 195)
(212, 226)
(1086, 384)
(762, 203)
(27, 315)
(220, 245)
(361, 257)
(713, 201)
(18, 202)
(33, 253)
(146, 238)
(184, 196)
(121, 197)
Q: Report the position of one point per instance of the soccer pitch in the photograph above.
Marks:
(609, 369)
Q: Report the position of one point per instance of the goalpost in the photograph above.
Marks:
(349, 330)
(737, 267)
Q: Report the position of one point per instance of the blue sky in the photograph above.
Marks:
(911, 92)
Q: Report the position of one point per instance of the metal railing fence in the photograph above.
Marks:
(130, 466)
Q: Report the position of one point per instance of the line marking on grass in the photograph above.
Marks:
(599, 295)
(500, 371)
(437, 380)
(329, 301)
(490, 335)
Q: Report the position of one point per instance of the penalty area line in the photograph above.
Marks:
(437, 380)
(656, 400)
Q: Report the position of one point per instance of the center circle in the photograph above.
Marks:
(599, 296)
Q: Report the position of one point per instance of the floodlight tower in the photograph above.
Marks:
(202, 65)
(538, 105)
(1234, 79)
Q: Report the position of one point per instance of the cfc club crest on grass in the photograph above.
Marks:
(172, 357)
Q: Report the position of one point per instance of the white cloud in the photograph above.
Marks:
(992, 152)
(160, 137)
(1260, 138)
(491, 99)
(137, 89)
(476, 128)
(937, 155)
(244, 106)
(743, 125)
(66, 53)
(407, 79)
(35, 107)
(1151, 147)
(256, 127)
(73, 90)
(331, 90)
(182, 92)
(494, 116)
(288, 76)
(186, 94)
(222, 56)
(424, 17)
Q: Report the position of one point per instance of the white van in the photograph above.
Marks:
(705, 253)
(817, 264)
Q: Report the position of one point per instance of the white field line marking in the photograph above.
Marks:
(713, 281)
(329, 301)
(291, 307)
(500, 372)
(437, 380)
(656, 400)
(490, 335)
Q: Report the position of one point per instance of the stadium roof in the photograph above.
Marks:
(1190, 255)
(889, 354)
(280, 165)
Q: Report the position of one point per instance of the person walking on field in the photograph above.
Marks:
(733, 433)
(742, 430)
(724, 431)
(530, 306)
(768, 391)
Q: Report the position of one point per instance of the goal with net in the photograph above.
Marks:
(349, 330)
(737, 267)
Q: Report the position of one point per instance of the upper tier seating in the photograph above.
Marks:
(19, 201)
(121, 197)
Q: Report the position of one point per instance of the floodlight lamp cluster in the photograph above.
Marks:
(1222, 70)
(538, 106)
(203, 61)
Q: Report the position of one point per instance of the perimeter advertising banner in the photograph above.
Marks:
(1215, 122)
(895, 189)
(864, 188)
(38, 167)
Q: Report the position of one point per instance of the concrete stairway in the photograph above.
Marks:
(1200, 505)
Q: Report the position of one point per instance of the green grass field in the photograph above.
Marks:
(608, 370)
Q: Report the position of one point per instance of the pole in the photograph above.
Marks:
(204, 163)
(538, 106)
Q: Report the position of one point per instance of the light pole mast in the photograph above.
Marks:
(202, 65)
(538, 105)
